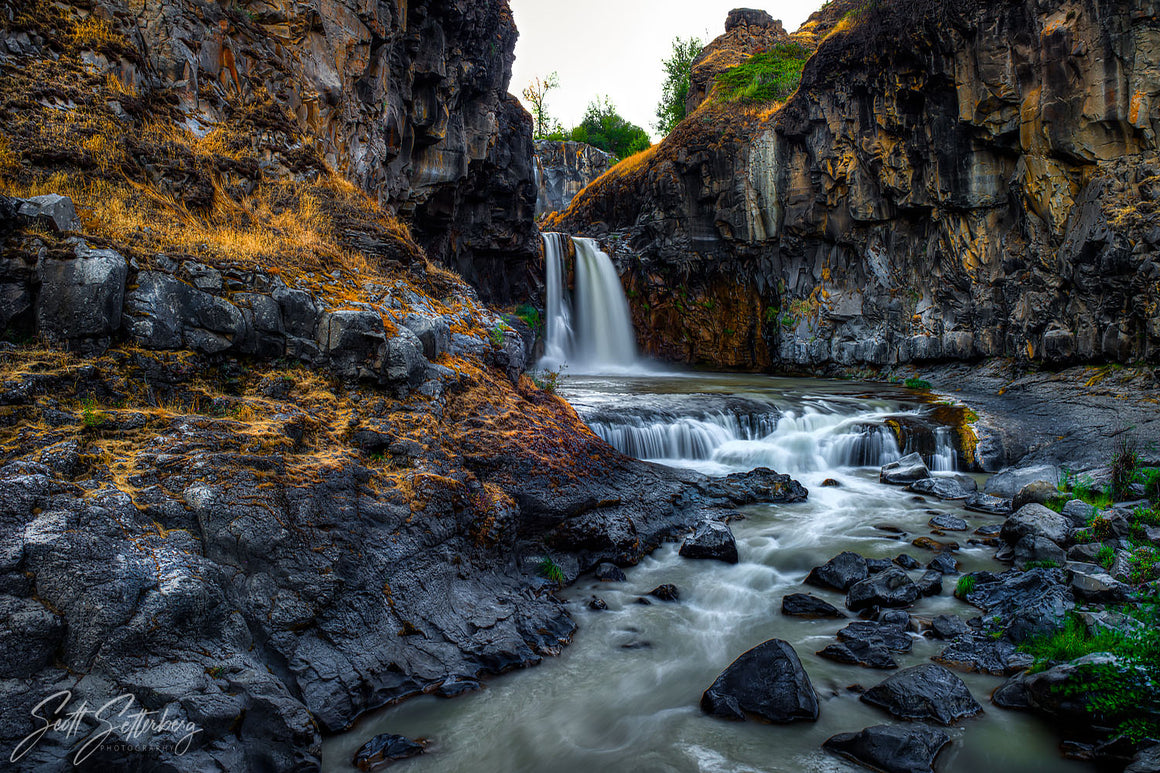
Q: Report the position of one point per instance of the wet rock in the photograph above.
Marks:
(30, 636)
(908, 469)
(907, 561)
(1012, 695)
(666, 592)
(1034, 549)
(876, 565)
(942, 487)
(930, 584)
(712, 540)
(867, 654)
(767, 682)
(944, 563)
(1027, 603)
(890, 635)
(382, 750)
(927, 543)
(948, 522)
(891, 748)
(81, 298)
(1062, 691)
(1147, 760)
(807, 606)
(983, 654)
(947, 626)
(1039, 493)
(891, 588)
(830, 483)
(1008, 483)
(606, 572)
(597, 604)
(985, 503)
(896, 617)
(924, 692)
(840, 572)
(456, 686)
(1035, 519)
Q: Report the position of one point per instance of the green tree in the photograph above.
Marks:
(603, 127)
(671, 109)
(536, 93)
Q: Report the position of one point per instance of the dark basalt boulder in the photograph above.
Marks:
(1035, 519)
(891, 748)
(876, 565)
(891, 588)
(609, 572)
(1039, 550)
(930, 584)
(1010, 482)
(869, 643)
(767, 682)
(1028, 603)
(893, 637)
(712, 540)
(807, 606)
(943, 563)
(382, 750)
(990, 505)
(975, 653)
(948, 522)
(948, 626)
(908, 469)
(924, 692)
(840, 572)
(907, 561)
(859, 653)
(666, 592)
(943, 488)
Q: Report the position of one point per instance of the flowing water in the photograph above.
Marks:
(624, 696)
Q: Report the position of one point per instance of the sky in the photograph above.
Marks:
(615, 47)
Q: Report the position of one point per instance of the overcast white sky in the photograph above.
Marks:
(615, 47)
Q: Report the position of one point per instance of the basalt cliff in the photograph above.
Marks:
(946, 183)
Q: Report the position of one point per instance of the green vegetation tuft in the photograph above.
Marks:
(917, 384)
(965, 585)
(551, 571)
(91, 418)
(531, 316)
(546, 381)
(766, 77)
(1106, 557)
(1047, 564)
(497, 337)
(1072, 641)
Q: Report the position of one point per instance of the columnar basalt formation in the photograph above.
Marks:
(944, 184)
(563, 169)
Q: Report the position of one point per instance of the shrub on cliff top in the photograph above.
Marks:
(766, 77)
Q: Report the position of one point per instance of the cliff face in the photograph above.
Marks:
(406, 99)
(943, 185)
(563, 169)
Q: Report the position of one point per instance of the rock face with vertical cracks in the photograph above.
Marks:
(948, 182)
(407, 99)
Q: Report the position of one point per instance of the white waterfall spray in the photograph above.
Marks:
(593, 334)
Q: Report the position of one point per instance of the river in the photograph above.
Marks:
(625, 695)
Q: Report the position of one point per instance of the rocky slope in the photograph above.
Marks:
(563, 169)
(945, 184)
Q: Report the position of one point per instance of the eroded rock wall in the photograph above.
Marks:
(948, 184)
(563, 169)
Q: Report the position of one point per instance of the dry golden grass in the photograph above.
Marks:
(94, 33)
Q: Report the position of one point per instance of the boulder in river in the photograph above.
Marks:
(948, 522)
(976, 653)
(608, 572)
(891, 748)
(943, 563)
(943, 487)
(767, 682)
(868, 654)
(891, 588)
(840, 572)
(930, 584)
(985, 503)
(947, 626)
(382, 750)
(1028, 603)
(1037, 550)
(908, 469)
(906, 561)
(807, 606)
(666, 592)
(712, 540)
(924, 692)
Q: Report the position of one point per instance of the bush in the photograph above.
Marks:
(671, 109)
(766, 77)
(603, 127)
(546, 381)
(1125, 466)
(917, 384)
(531, 316)
(91, 418)
(1106, 557)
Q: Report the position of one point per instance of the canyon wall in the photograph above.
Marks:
(945, 184)
(563, 169)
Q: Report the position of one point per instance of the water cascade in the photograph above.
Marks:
(589, 331)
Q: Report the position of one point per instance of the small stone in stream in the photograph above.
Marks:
(948, 626)
(924, 692)
(384, 749)
(889, 528)
(840, 572)
(805, 605)
(891, 748)
(898, 617)
(917, 498)
(893, 637)
(908, 469)
(876, 565)
(906, 561)
(944, 563)
(1012, 694)
(830, 483)
(948, 522)
(989, 530)
(859, 653)
(891, 588)
(768, 682)
(597, 604)
(607, 572)
(666, 592)
(930, 584)
(712, 540)
(456, 686)
(987, 504)
(644, 602)
(926, 543)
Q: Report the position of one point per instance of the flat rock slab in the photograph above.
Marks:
(924, 692)
(810, 607)
(891, 748)
(948, 522)
(767, 682)
(983, 655)
(990, 505)
(942, 488)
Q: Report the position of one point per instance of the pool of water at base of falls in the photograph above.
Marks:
(624, 696)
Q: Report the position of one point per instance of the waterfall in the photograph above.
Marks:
(943, 458)
(590, 331)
